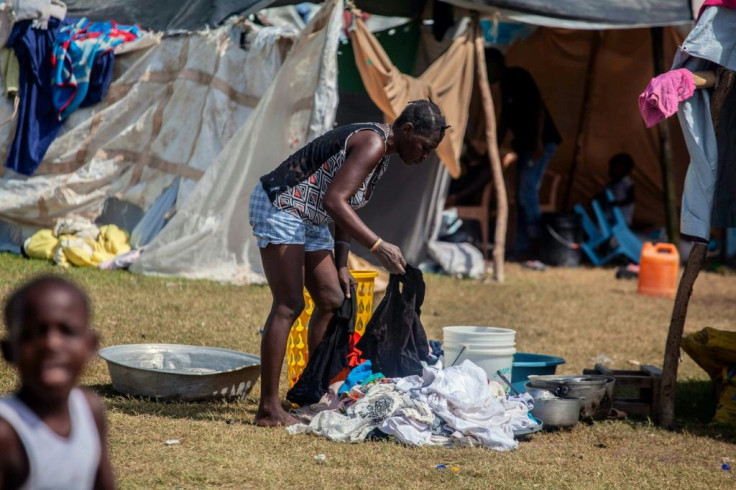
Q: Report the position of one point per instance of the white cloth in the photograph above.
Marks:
(462, 396)
(40, 11)
(456, 406)
(57, 462)
(380, 403)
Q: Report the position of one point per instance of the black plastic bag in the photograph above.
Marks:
(330, 357)
(394, 339)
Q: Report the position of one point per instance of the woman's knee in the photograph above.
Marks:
(289, 308)
(329, 300)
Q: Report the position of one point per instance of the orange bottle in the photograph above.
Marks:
(659, 269)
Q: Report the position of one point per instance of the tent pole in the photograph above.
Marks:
(502, 206)
(584, 117)
(665, 148)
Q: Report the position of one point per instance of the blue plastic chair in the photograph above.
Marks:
(627, 244)
(595, 237)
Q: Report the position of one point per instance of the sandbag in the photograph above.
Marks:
(329, 358)
(394, 340)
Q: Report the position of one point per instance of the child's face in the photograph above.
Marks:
(52, 341)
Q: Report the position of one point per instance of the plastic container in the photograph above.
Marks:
(527, 364)
(659, 269)
(561, 236)
(297, 352)
(504, 337)
(490, 360)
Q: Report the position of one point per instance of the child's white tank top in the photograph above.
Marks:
(57, 462)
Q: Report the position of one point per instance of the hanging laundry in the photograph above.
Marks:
(394, 339)
(68, 65)
(709, 45)
(37, 124)
(731, 4)
(663, 95)
(329, 358)
(75, 68)
(10, 71)
(448, 82)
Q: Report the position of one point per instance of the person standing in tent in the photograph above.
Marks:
(535, 138)
(290, 210)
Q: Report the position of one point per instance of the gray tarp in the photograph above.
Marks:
(164, 15)
(167, 15)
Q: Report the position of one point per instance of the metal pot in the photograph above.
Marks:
(558, 412)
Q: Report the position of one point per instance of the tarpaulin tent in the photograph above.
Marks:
(166, 15)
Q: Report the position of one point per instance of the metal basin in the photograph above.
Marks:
(181, 372)
(557, 412)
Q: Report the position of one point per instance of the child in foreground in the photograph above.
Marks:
(52, 434)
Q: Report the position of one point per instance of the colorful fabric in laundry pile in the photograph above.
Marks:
(77, 48)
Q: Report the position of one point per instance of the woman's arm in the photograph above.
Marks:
(365, 150)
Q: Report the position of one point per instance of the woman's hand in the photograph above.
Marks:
(390, 257)
(347, 281)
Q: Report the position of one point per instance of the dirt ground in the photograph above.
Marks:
(578, 314)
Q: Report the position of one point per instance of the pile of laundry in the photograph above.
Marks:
(390, 383)
(55, 64)
(79, 242)
(452, 407)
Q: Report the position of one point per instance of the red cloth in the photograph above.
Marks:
(729, 4)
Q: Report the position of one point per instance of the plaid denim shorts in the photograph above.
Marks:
(272, 225)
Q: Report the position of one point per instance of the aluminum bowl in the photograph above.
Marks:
(181, 372)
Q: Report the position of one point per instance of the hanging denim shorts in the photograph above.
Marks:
(272, 225)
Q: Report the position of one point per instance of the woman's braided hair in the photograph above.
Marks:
(426, 117)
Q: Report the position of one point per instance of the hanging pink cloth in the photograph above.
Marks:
(663, 95)
(730, 4)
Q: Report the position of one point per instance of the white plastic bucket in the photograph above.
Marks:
(490, 360)
(484, 335)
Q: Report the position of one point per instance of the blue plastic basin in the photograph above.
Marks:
(526, 364)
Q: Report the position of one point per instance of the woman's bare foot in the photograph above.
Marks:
(274, 417)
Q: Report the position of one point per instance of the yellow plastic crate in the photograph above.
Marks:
(297, 353)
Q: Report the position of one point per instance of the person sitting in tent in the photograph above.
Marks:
(621, 186)
(535, 140)
(290, 209)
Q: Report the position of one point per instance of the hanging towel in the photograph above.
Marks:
(663, 95)
(77, 50)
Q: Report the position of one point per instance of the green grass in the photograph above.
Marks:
(577, 314)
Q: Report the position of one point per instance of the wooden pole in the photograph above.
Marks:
(502, 206)
(674, 337)
(724, 84)
(583, 117)
(665, 148)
